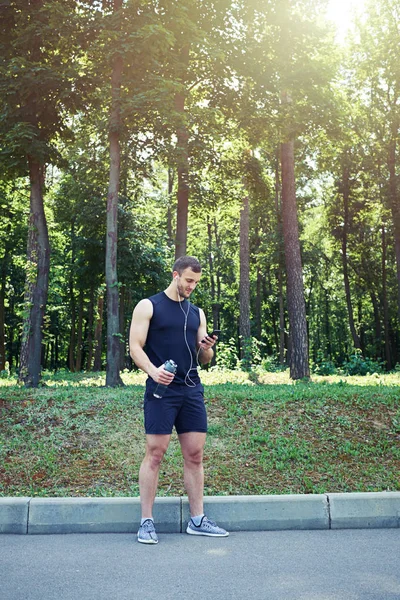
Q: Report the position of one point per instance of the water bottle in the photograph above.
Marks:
(171, 367)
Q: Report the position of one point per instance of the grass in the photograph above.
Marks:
(74, 437)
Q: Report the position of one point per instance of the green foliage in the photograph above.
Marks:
(323, 365)
(227, 355)
(271, 364)
(360, 365)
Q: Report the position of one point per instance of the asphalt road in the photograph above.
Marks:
(277, 565)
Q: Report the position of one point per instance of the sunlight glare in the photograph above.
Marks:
(341, 12)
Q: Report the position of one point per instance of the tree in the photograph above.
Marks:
(113, 377)
(38, 79)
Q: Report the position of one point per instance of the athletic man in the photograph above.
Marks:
(168, 326)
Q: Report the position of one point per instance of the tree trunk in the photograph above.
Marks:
(278, 209)
(122, 327)
(395, 205)
(377, 325)
(89, 341)
(299, 365)
(37, 281)
(113, 378)
(72, 340)
(217, 304)
(169, 210)
(214, 304)
(79, 340)
(182, 135)
(388, 357)
(98, 337)
(346, 196)
(258, 316)
(2, 314)
(244, 286)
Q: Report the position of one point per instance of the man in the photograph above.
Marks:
(168, 326)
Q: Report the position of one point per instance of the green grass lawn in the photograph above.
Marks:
(74, 437)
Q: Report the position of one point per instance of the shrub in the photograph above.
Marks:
(323, 365)
(359, 365)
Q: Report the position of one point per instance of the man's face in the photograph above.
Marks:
(186, 282)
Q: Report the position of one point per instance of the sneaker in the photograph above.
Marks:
(206, 527)
(147, 533)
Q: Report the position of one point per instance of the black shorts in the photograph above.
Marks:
(181, 406)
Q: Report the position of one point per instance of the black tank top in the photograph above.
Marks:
(173, 334)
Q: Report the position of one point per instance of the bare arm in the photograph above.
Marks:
(140, 323)
(204, 343)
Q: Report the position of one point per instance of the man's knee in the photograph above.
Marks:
(194, 456)
(155, 455)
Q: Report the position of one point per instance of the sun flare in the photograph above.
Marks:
(342, 12)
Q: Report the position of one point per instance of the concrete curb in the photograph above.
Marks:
(235, 513)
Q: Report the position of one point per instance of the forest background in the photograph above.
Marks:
(244, 133)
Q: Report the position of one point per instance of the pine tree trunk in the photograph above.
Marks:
(169, 210)
(258, 316)
(395, 205)
(89, 340)
(98, 337)
(122, 327)
(217, 272)
(113, 377)
(214, 304)
(2, 314)
(37, 282)
(346, 195)
(79, 339)
(388, 357)
(183, 166)
(299, 366)
(244, 286)
(278, 209)
(72, 340)
(377, 325)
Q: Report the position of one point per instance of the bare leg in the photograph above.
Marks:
(192, 445)
(156, 447)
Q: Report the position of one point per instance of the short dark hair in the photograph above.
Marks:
(186, 262)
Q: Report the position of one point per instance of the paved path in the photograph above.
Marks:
(268, 565)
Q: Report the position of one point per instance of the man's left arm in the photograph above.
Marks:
(204, 344)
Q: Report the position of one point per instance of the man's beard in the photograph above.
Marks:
(181, 292)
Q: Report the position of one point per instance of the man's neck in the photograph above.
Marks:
(173, 293)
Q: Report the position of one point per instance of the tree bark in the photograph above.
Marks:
(244, 285)
(113, 377)
(388, 357)
(37, 281)
(395, 204)
(79, 339)
(98, 337)
(299, 364)
(169, 210)
(278, 209)
(89, 341)
(182, 135)
(2, 313)
(72, 339)
(346, 196)
(122, 327)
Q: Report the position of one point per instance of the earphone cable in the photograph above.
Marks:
(186, 315)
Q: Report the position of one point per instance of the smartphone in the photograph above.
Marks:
(216, 332)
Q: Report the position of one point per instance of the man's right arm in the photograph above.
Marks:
(140, 323)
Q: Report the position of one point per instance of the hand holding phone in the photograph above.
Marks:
(215, 332)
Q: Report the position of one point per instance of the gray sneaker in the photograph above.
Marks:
(147, 533)
(206, 527)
